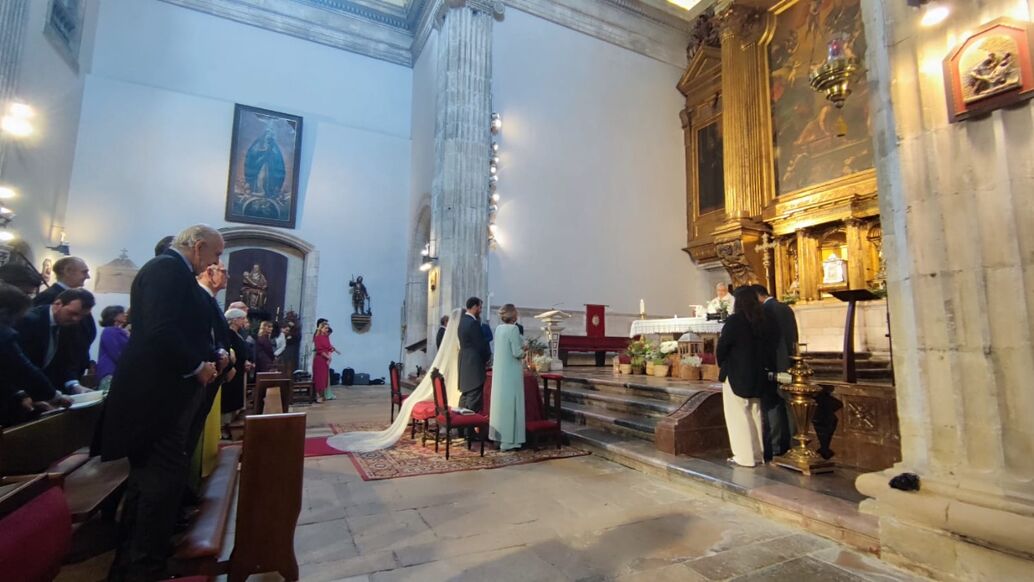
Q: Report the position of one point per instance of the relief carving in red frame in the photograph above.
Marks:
(989, 70)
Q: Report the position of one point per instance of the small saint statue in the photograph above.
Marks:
(833, 270)
(253, 288)
(360, 298)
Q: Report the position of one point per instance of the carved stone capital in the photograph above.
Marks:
(494, 7)
(742, 23)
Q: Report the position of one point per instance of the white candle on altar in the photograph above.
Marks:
(642, 306)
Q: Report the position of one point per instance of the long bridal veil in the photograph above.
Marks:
(447, 362)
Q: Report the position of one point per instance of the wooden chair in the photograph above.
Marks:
(397, 397)
(445, 419)
(549, 424)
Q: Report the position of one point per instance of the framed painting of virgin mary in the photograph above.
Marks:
(264, 157)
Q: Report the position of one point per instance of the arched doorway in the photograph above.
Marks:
(417, 325)
(290, 267)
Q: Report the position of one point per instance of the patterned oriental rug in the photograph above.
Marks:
(408, 459)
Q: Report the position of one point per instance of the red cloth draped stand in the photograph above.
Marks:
(532, 399)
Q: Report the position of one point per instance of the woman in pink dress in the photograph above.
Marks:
(321, 360)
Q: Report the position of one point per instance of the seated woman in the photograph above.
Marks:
(265, 360)
(113, 340)
(746, 354)
(506, 415)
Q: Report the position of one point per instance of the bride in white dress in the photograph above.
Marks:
(447, 362)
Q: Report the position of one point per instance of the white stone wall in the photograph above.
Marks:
(592, 175)
(154, 146)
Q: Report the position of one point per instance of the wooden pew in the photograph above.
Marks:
(269, 498)
(57, 444)
(263, 385)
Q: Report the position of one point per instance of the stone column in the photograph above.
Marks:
(459, 192)
(957, 218)
(746, 111)
(856, 251)
(13, 19)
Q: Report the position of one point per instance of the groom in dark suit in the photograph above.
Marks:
(474, 355)
(777, 419)
(155, 395)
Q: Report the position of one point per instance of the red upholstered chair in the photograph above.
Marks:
(447, 420)
(35, 531)
(397, 397)
(549, 424)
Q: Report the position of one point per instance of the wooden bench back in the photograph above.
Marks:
(34, 446)
(270, 496)
(263, 385)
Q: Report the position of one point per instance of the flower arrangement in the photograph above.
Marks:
(668, 347)
(542, 363)
(638, 351)
(535, 346)
(693, 361)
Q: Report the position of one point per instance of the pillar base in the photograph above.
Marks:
(949, 533)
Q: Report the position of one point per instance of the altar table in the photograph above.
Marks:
(532, 399)
(675, 325)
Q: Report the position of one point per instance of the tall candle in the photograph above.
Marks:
(642, 306)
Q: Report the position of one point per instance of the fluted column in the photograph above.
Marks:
(808, 261)
(13, 17)
(746, 117)
(956, 214)
(856, 249)
(459, 193)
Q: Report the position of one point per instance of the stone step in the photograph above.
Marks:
(827, 505)
(641, 386)
(628, 404)
(638, 427)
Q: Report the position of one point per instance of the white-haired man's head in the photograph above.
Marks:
(201, 244)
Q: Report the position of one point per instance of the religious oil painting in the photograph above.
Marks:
(990, 69)
(64, 28)
(808, 150)
(264, 156)
(710, 172)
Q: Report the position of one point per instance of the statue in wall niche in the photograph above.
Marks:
(360, 297)
(253, 288)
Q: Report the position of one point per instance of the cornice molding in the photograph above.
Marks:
(399, 35)
(336, 29)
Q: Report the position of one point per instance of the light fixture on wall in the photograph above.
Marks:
(6, 215)
(934, 11)
(426, 260)
(16, 121)
(495, 126)
(62, 246)
(497, 123)
(6, 235)
(7, 193)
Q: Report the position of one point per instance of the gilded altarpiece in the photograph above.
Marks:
(794, 167)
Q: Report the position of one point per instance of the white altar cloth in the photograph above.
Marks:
(675, 325)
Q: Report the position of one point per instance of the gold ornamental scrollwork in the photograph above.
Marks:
(742, 23)
(732, 256)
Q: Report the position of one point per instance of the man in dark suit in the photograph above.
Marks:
(155, 394)
(441, 331)
(474, 356)
(72, 273)
(777, 419)
(50, 337)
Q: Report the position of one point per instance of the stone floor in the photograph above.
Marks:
(575, 519)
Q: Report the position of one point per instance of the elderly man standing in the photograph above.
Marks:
(205, 431)
(155, 394)
(72, 273)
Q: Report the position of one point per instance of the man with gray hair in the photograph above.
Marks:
(155, 394)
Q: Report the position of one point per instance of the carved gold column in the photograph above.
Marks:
(747, 116)
(808, 264)
(856, 253)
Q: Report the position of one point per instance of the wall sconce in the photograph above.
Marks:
(934, 12)
(6, 236)
(426, 260)
(6, 216)
(497, 123)
(7, 192)
(16, 120)
(62, 247)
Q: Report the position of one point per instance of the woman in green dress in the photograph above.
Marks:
(506, 415)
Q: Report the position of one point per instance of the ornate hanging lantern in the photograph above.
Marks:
(833, 78)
